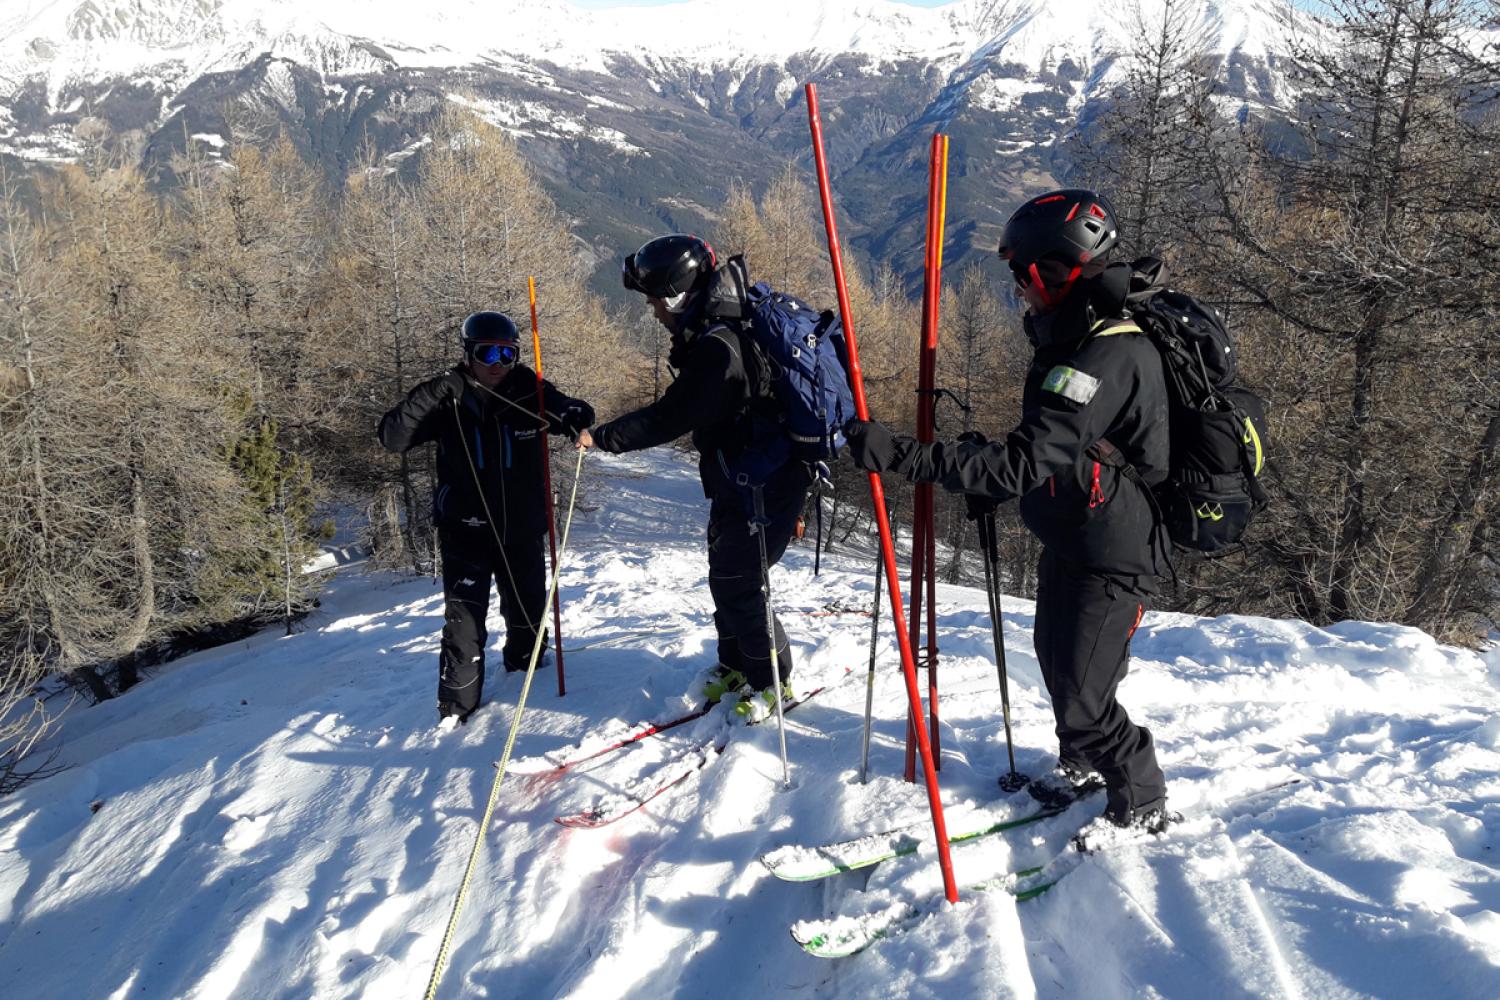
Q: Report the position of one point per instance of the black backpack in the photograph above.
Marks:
(1218, 428)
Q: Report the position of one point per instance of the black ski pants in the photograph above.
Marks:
(471, 559)
(1084, 623)
(734, 572)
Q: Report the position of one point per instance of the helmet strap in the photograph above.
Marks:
(1049, 299)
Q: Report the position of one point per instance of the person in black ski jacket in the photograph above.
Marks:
(489, 504)
(719, 376)
(1093, 438)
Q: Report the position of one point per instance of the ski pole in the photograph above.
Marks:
(510, 742)
(989, 547)
(541, 409)
(759, 524)
(864, 756)
(877, 499)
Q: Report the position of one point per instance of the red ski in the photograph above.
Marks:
(618, 805)
(646, 731)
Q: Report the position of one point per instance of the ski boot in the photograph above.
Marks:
(724, 681)
(758, 705)
(1128, 827)
(450, 716)
(1064, 785)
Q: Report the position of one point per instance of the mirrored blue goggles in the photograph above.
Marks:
(494, 354)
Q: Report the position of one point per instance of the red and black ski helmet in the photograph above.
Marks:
(669, 266)
(1073, 226)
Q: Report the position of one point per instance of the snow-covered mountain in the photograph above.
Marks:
(638, 118)
(278, 819)
(86, 41)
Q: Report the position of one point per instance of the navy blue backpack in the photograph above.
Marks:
(803, 395)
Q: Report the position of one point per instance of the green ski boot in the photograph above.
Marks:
(758, 705)
(724, 681)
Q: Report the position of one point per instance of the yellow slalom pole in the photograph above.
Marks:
(510, 742)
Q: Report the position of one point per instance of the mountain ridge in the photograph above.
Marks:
(636, 119)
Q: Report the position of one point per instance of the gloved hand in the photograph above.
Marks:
(574, 419)
(872, 446)
(977, 505)
(453, 385)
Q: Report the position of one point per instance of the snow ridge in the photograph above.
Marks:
(179, 40)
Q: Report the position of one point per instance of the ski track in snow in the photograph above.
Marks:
(280, 817)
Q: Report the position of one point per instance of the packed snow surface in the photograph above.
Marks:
(282, 818)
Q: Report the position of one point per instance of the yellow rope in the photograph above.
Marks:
(510, 742)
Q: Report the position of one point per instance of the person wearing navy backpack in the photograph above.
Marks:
(1092, 443)
(489, 502)
(720, 395)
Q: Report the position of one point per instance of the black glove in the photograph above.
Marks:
(453, 384)
(575, 418)
(871, 445)
(977, 505)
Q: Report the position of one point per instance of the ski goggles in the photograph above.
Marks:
(1027, 275)
(494, 354)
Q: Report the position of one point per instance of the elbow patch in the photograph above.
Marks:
(1071, 384)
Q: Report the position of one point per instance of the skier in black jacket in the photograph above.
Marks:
(489, 505)
(712, 396)
(1095, 400)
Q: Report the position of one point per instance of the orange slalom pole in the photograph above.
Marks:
(934, 304)
(877, 499)
(541, 409)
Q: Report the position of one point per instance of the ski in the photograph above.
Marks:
(795, 863)
(617, 805)
(582, 754)
(840, 937)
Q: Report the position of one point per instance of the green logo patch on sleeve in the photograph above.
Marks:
(1070, 383)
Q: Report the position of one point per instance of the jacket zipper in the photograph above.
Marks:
(1096, 492)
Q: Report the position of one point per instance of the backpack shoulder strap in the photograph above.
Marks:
(1114, 326)
(752, 359)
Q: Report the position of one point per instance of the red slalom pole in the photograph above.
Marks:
(923, 530)
(877, 499)
(921, 495)
(541, 409)
(932, 646)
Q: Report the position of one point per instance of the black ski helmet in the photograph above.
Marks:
(669, 266)
(488, 327)
(1073, 226)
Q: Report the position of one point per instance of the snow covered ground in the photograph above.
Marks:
(280, 818)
